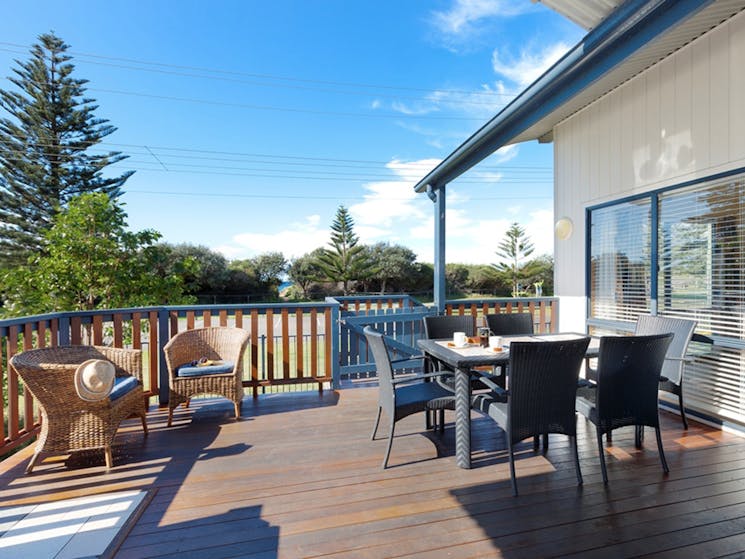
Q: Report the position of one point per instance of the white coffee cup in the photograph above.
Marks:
(459, 339)
(495, 343)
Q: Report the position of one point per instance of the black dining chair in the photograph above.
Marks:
(625, 394)
(440, 328)
(541, 395)
(510, 323)
(402, 396)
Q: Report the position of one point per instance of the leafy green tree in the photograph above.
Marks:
(513, 250)
(346, 261)
(305, 270)
(270, 268)
(208, 275)
(45, 142)
(90, 260)
(540, 270)
(391, 265)
(456, 278)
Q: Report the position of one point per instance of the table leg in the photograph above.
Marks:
(462, 419)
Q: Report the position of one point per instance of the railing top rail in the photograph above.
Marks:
(499, 300)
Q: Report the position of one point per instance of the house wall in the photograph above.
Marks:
(680, 120)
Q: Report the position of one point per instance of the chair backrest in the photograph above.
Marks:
(48, 373)
(628, 377)
(683, 332)
(386, 392)
(214, 342)
(442, 327)
(543, 386)
(510, 324)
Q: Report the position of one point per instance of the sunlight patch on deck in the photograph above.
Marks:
(69, 529)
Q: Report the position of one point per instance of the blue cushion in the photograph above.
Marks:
(122, 385)
(190, 370)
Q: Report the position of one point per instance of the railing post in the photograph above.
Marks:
(335, 355)
(163, 337)
(63, 330)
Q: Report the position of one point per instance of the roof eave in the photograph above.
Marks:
(627, 29)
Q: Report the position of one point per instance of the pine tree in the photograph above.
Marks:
(45, 139)
(514, 248)
(346, 260)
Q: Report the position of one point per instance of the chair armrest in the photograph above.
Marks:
(486, 380)
(412, 358)
(421, 376)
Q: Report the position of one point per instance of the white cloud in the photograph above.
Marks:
(298, 239)
(529, 65)
(465, 14)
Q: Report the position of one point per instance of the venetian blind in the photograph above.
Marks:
(620, 261)
(701, 277)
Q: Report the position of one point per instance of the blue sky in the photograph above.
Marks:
(248, 123)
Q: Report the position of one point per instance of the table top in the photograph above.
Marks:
(474, 355)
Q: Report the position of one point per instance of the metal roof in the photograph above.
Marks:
(629, 39)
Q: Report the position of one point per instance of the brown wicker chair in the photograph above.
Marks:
(214, 343)
(70, 423)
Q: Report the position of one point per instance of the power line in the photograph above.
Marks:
(309, 197)
(290, 79)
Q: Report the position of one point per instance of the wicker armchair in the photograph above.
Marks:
(214, 343)
(70, 423)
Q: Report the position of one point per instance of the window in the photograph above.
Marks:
(693, 266)
(620, 261)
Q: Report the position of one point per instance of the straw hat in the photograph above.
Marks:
(94, 379)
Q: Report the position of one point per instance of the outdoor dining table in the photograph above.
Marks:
(462, 359)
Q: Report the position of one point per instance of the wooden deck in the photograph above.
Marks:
(297, 476)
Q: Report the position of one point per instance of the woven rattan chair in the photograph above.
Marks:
(510, 323)
(216, 344)
(70, 423)
(399, 397)
(541, 396)
(671, 376)
(628, 377)
(441, 328)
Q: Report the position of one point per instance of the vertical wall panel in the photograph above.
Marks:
(719, 95)
(736, 75)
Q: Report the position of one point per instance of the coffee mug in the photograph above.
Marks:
(459, 339)
(495, 343)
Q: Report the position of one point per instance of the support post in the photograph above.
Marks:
(437, 195)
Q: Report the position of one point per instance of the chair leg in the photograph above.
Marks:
(545, 443)
(143, 417)
(442, 420)
(390, 444)
(377, 421)
(638, 436)
(33, 461)
(601, 452)
(661, 451)
(109, 457)
(573, 441)
(682, 409)
(170, 416)
(512, 466)
(237, 406)
(536, 443)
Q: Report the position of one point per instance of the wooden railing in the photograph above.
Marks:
(545, 310)
(400, 320)
(291, 346)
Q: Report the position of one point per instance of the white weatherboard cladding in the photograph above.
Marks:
(682, 119)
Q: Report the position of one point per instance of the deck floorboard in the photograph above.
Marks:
(299, 477)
